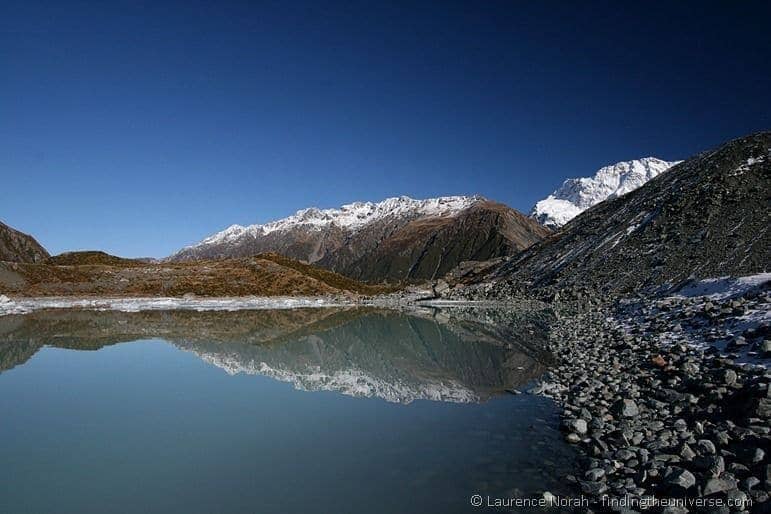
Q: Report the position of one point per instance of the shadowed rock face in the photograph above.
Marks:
(16, 246)
(395, 247)
(706, 217)
(429, 248)
(359, 352)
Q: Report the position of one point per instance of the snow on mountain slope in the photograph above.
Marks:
(352, 216)
(578, 194)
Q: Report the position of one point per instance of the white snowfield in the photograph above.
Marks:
(724, 287)
(578, 194)
(352, 216)
(26, 305)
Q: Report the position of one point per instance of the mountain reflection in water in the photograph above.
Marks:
(452, 355)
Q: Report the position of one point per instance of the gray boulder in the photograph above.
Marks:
(625, 408)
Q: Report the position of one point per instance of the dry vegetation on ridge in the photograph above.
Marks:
(100, 274)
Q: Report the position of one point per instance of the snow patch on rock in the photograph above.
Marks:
(725, 287)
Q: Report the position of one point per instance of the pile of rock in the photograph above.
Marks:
(740, 326)
(654, 415)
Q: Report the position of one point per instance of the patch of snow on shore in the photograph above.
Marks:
(8, 306)
(725, 287)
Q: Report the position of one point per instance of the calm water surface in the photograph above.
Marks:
(270, 411)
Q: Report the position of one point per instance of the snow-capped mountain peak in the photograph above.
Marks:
(351, 216)
(575, 195)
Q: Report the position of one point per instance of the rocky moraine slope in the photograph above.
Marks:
(396, 239)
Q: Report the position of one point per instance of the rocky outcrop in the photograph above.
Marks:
(16, 246)
(397, 239)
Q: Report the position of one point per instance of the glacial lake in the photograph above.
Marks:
(273, 411)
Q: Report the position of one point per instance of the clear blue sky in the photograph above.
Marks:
(140, 127)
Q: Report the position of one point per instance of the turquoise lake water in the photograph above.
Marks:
(275, 412)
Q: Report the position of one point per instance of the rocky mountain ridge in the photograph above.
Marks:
(351, 216)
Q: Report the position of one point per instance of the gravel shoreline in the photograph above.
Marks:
(660, 399)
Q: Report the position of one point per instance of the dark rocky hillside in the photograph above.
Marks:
(429, 248)
(19, 247)
(706, 217)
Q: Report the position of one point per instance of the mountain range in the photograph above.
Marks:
(393, 240)
(406, 239)
(638, 224)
